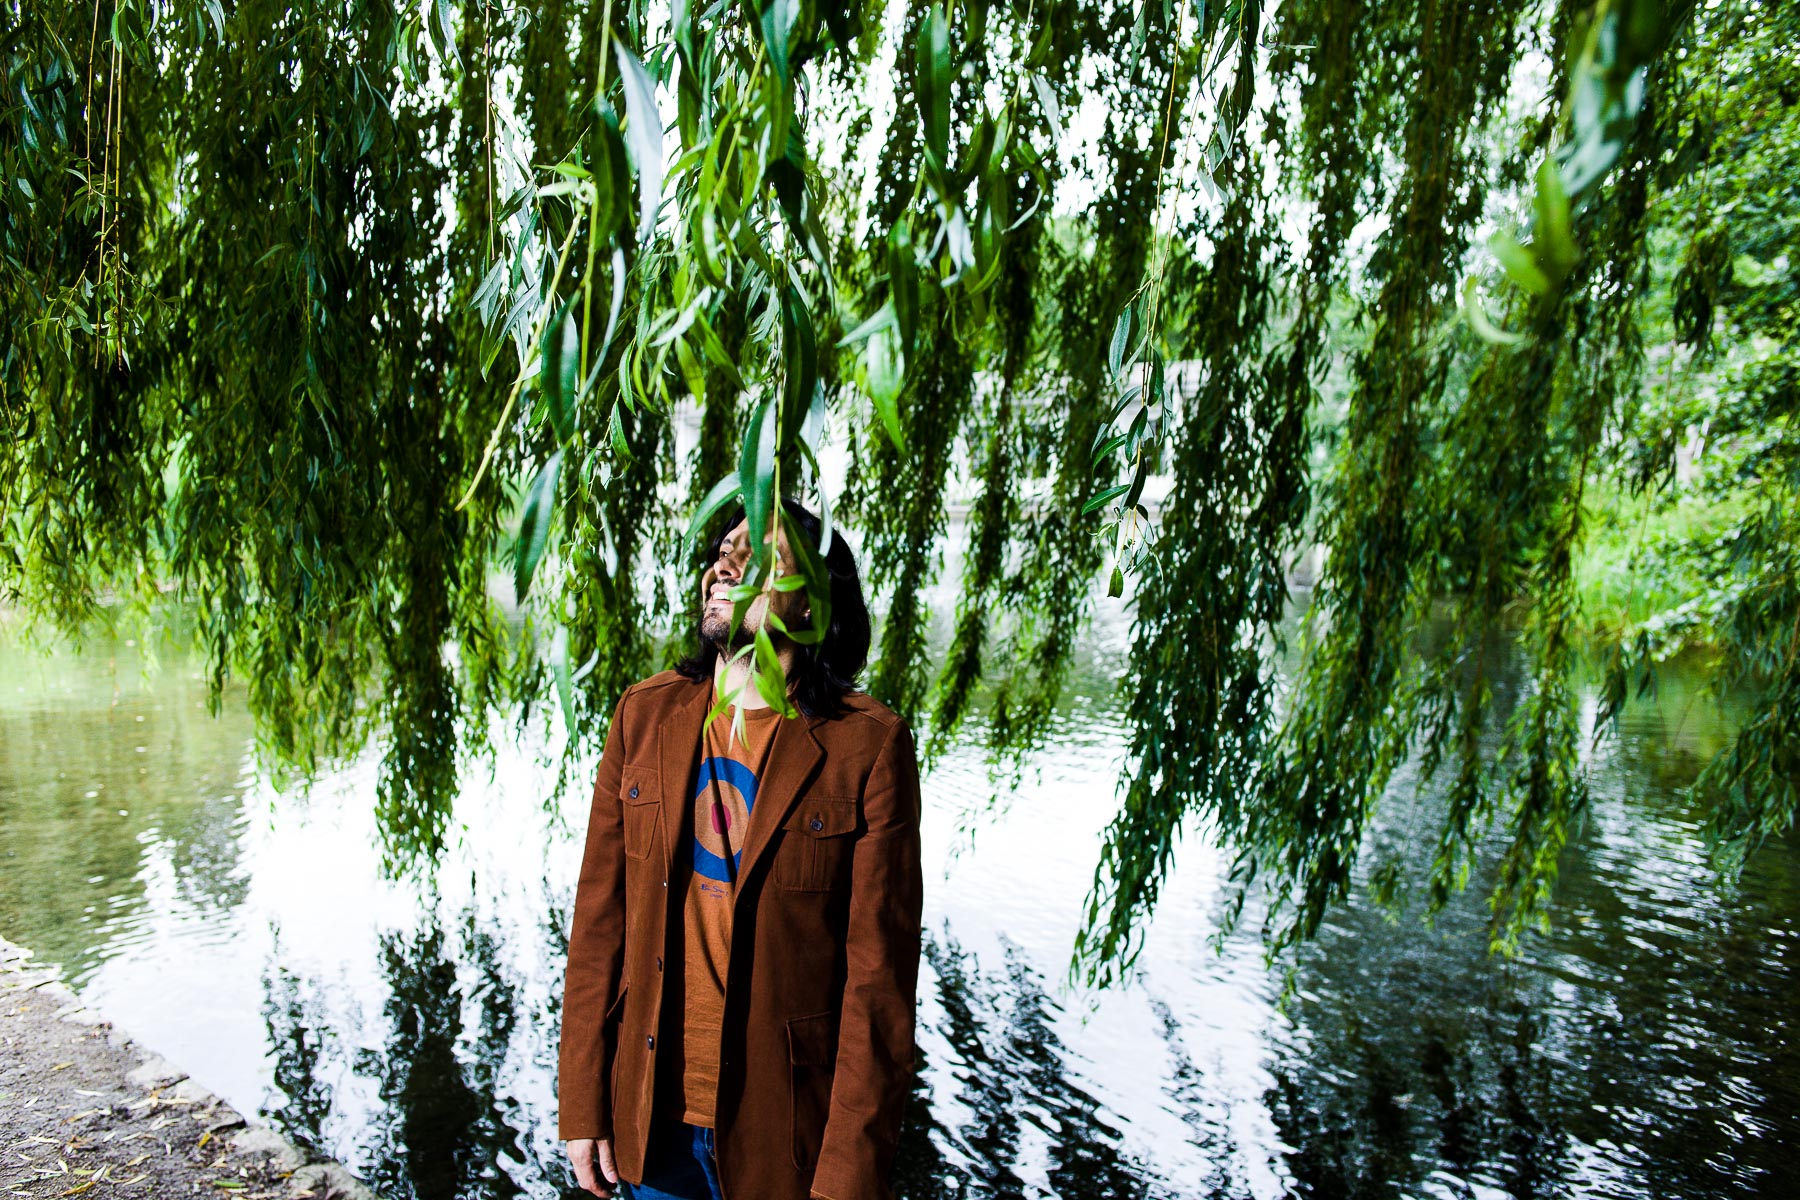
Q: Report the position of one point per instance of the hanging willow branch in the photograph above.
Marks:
(340, 321)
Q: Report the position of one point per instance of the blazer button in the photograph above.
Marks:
(659, 962)
(817, 824)
(650, 1042)
(634, 791)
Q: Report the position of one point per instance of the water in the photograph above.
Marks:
(1648, 1047)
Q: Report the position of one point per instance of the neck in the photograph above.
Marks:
(729, 673)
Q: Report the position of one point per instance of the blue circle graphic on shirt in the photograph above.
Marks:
(732, 777)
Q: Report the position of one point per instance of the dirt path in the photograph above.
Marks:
(85, 1111)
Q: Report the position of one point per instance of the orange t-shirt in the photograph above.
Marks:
(710, 852)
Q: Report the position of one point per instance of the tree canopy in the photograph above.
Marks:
(315, 311)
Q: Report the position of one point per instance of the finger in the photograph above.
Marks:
(608, 1167)
(581, 1157)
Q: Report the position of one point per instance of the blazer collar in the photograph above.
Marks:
(793, 755)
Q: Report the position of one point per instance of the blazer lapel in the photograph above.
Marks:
(678, 753)
(797, 750)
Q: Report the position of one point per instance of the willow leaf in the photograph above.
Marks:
(800, 374)
(645, 133)
(884, 370)
(560, 364)
(903, 283)
(756, 472)
(1104, 498)
(534, 524)
(933, 86)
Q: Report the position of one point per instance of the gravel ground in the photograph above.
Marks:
(85, 1111)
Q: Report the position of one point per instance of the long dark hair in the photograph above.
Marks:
(825, 671)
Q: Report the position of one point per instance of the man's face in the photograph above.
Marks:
(727, 572)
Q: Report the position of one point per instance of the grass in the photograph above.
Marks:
(1646, 555)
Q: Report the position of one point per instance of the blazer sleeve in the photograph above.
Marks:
(596, 955)
(875, 1032)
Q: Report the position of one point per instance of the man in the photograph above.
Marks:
(738, 1004)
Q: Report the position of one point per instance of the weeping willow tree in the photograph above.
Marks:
(317, 312)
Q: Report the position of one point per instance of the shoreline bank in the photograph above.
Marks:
(86, 1110)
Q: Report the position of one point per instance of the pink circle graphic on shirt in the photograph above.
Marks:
(722, 804)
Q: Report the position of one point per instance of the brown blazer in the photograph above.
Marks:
(817, 1052)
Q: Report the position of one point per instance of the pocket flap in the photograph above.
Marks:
(812, 1041)
(823, 816)
(637, 785)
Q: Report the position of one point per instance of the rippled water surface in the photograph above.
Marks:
(1648, 1047)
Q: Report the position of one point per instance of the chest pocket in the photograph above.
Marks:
(815, 844)
(642, 801)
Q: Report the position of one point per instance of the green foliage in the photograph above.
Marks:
(326, 315)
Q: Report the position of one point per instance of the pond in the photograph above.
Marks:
(1648, 1046)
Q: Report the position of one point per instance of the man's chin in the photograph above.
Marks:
(714, 630)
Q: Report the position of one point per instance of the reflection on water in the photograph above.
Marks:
(120, 797)
(1648, 1047)
(1015, 1087)
(442, 1129)
(298, 1034)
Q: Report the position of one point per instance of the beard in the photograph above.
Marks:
(714, 626)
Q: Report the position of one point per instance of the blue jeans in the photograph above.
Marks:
(679, 1164)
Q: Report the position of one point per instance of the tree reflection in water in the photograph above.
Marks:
(1646, 1049)
(1630, 1045)
(1013, 1071)
(1376, 1097)
(444, 1127)
(1199, 1107)
(1628, 1051)
(441, 1130)
(300, 1033)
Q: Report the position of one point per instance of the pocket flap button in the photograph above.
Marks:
(634, 791)
(817, 824)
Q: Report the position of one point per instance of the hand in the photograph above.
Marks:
(587, 1154)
